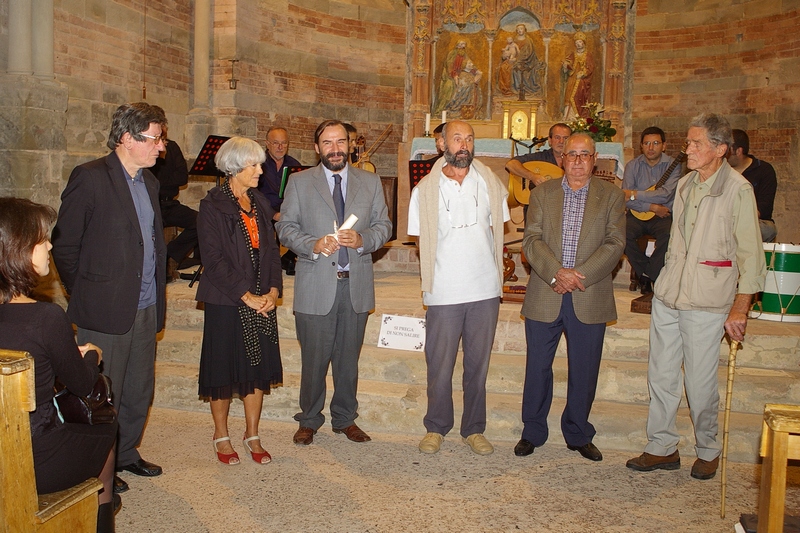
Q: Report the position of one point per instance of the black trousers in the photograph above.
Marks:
(176, 214)
(659, 229)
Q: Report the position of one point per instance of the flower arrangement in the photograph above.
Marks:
(597, 127)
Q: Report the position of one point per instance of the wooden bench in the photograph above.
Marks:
(780, 441)
(21, 508)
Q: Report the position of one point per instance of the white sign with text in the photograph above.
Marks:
(402, 333)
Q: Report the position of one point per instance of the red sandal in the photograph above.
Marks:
(227, 458)
(259, 457)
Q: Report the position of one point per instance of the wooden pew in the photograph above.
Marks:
(21, 508)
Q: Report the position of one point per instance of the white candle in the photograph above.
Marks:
(444, 117)
(427, 122)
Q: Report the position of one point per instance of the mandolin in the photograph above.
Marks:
(519, 188)
(647, 215)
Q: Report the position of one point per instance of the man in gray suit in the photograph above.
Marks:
(573, 240)
(334, 291)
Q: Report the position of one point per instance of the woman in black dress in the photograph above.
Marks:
(239, 287)
(63, 454)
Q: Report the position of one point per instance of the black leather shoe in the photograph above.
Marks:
(647, 285)
(523, 448)
(142, 468)
(588, 450)
(119, 485)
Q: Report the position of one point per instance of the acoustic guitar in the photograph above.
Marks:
(519, 188)
(647, 215)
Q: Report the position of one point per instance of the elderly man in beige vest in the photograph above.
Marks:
(458, 211)
(714, 265)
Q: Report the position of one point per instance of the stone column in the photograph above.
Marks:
(43, 40)
(199, 120)
(20, 20)
(421, 68)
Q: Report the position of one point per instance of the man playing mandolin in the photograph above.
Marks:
(528, 174)
(649, 184)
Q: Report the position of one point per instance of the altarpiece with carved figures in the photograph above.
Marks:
(517, 66)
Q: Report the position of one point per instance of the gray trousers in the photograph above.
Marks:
(331, 340)
(473, 323)
(129, 360)
(691, 339)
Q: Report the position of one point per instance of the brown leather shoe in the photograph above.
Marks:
(304, 436)
(705, 469)
(354, 433)
(648, 462)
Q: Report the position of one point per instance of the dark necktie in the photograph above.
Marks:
(338, 202)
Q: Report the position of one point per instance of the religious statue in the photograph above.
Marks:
(508, 58)
(459, 88)
(524, 72)
(576, 74)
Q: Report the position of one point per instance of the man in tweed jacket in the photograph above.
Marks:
(574, 238)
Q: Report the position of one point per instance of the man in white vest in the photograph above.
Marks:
(458, 211)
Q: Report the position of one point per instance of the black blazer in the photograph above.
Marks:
(98, 247)
(227, 270)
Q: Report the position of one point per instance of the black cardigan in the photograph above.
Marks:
(227, 270)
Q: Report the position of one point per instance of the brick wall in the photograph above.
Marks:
(303, 62)
(103, 57)
(740, 59)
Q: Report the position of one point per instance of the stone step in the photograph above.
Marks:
(400, 408)
(619, 381)
(768, 344)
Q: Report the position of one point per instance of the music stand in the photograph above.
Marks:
(287, 171)
(418, 169)
(204, 164)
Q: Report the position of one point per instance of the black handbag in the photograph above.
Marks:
(96, 408)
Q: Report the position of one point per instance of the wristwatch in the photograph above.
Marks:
(553, 283)
(633, 195)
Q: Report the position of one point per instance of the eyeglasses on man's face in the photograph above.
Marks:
(654, 144)
(578, 156)
(155, 138)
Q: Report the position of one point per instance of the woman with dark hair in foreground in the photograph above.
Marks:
(63, 454)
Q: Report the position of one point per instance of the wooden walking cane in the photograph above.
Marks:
(726, 423)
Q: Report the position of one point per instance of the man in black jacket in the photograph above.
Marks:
(172, 174)
(108, 246)
(761, 176)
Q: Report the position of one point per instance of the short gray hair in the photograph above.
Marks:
(238, 153)
(718, 129)
(134, 119)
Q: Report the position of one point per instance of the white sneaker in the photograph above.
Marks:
(431, 443)
(478, 443)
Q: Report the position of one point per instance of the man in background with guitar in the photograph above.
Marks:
(649, 185)
(526, 175)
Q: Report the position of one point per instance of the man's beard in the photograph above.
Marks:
(461, 159)
(326, 161)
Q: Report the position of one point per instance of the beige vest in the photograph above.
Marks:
(685, 282)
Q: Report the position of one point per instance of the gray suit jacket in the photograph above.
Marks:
(600, 246)
(308, 213)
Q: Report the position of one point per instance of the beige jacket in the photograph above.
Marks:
(692, 277)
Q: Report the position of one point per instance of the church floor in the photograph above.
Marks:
(387, 485)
